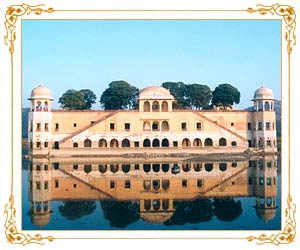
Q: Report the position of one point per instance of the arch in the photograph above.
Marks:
(156, 205)
(114, 143)
(186, 167)
(125, 143)
(156, 167)
(165, 204)
(155, 106)
(146, 168)
(165, 167)
(223, 166)
(165, 126)
(197, 167)
(147, 205)
(146, 143)
(155, 143)
(208, 167)
(164, 106)
(222, 142)
(165, 143)
(102, 143)
(186, 142)
(267, 106)
(87, 143)
(208, 142)
(102, 168)
(87, 168)
(75, 145)
(146, 126)
(155, 126)
(233, 144)
(260, 106)
(114, 168)
(146, 106)
(38, 106)
(197, 142)
(46, 105)
(125, 168)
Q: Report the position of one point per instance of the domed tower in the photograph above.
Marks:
(155, 99)
(39, 120)
(264, 120)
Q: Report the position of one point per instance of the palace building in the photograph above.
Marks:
(153, 128)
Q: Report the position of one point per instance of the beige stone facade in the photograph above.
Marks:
(154, 127)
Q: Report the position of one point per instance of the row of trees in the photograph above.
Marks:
(122, 95)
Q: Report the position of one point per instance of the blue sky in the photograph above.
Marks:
(77, 54)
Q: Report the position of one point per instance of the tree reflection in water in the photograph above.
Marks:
(120, 214)
(74, 210)
(227, 209)
(199, 210)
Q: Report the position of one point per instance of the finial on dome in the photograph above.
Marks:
(41, 84)
(263, 84)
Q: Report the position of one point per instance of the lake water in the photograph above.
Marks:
(151, 194)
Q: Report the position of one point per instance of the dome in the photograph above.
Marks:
(155, 92)
(266, 214)
(263, 93)
(156, 218)
(40, 92)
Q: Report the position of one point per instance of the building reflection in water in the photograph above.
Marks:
(154, 191)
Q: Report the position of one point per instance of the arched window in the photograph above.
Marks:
(75, 145)
(164, 106)
(222, 142)
(260, 106)
(147, 168)
(114, 168)
(46, 106)
(233, 144)
(165, 167)
(114, 143)
(208, 142)
(165, 126)
(223, 166)
(197, 143)
(125, 143)
(156, 167)
(102, 168)
(155, 126)
(186, 167)
(186, 142)
(125, 168)
(165, 143)
(39, 106)
(102, 143)
(208, 167)
(146, 143)
(267, 106)
(146, 126)
(87, 168)
(197, 167)
(155, 143)
(155, 106)
(146, 106)
(87, 143)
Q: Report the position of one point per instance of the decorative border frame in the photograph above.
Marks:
(15, 12)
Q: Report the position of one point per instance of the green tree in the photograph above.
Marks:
(89, 97)
(199, 96)
(179, 91)
(119, 95)
(225, 95)
(72, 99)
(74, 210)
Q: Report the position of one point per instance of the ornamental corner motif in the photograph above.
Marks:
(11, 17)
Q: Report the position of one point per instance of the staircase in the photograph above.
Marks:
(221, 126)
(88, 126)
(88, 184)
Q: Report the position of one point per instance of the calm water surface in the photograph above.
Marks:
(144, 194)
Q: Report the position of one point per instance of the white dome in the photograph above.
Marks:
(40, 92)
(263, 93)
(155, 92)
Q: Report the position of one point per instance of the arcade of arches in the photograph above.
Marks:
(155, 143)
